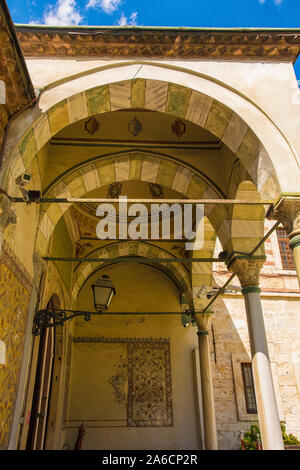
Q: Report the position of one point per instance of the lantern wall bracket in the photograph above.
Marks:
(47, 318)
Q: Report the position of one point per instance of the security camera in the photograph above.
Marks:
(23, 179)
(201, 294)
(222, 255)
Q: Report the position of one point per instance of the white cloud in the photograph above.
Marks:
(64, 12)
(123, 20)
(132, 20)
(109, 6)
(277, 2)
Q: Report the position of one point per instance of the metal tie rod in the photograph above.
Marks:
(221, 289)
(134, 259)
(75, 200)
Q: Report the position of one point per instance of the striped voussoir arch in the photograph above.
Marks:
(133, 248)
(160, 96)
(148, 168)
(247, 223)
(132, 167)
(202, 273)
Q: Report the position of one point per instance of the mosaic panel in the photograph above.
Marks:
(149, 384)
(15, 289)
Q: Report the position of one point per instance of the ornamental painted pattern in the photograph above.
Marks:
(149, 384)
(15, 289)
(142, 379)
(119, 381)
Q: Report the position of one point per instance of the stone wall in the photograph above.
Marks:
(229, 342)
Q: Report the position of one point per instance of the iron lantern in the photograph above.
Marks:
(103, 291)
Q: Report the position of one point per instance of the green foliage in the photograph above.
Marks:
(252, 439)
(289, 440)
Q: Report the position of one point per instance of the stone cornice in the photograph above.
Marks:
(19, 89)
(166, 43)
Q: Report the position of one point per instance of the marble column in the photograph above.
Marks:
(287, 211)
(248, 274)
(208, 404)
(295, 246)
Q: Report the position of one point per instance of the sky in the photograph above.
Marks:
(193, 13)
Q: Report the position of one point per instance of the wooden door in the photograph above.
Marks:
(42, 390)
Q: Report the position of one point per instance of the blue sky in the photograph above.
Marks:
(196, 13)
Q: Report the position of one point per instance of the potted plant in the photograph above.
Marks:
(290, 441)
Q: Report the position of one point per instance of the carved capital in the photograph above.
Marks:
(203, 320)
(287, 211)
(7, 215)
(247, 270)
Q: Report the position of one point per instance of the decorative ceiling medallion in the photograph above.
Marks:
(114, 190)
(91, 125)
(156, 190)
(135, 126)
(178, 127)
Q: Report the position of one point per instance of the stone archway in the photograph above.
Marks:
(136, 167)
(134, 248)
(155, 95)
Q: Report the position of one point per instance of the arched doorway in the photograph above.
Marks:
(125, 368)
(43, 384)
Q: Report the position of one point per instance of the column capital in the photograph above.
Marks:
(248, 271)
(287, 211)
(203, 321)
